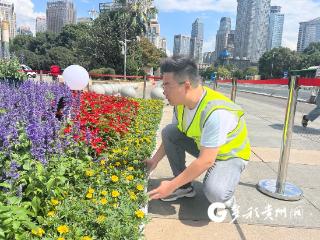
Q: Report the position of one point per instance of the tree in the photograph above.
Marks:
(251, 71)
(313, 47)
(61, 56)
(273, 63)
(151, 56)
(223, 72)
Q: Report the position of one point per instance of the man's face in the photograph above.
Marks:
(173, 90)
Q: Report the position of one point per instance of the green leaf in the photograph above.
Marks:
(35, 204)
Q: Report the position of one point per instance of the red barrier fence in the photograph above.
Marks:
(276, 81)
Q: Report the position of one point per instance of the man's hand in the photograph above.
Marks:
(164, 190)
(151, 165)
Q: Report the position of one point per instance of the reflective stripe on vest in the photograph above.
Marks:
(237, 144)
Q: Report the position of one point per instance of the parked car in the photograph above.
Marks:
(30, 73)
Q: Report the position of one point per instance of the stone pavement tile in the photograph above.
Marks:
(255, 207)
(159, 229)
(255, 171)
(309, 157)
(302, 175)
(313, 196)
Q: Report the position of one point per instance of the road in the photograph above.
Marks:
(274, 90)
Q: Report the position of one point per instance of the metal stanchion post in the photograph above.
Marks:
(144, 86)
(234, 89)
(279, 188)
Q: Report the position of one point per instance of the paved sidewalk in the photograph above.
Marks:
(260, 216)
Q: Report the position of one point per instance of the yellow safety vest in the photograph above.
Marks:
(237, 144)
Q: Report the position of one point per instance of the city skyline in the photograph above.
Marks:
(176, 18)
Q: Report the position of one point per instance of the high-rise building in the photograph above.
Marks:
(308, 32)
(196, 41)
(208, 57)
(8, 14)
(153, 30)
(41, 24)
(181, 45)
(230, 43)
(222, 36)
(24, 30)
(252, 27)
(275, 27)
(163, 44)
(84, 20)
(59, 14)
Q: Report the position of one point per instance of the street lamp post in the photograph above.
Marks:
(124, 43)
(272, 64)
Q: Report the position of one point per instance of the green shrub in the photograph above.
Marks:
(103, 71)
(10, 69)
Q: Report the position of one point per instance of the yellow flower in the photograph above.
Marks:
(63, 229)
(114, 178)
(115, 193)
(90, 190)
(133, 196)
(104, 193)
(86, 238)
(129, 177)
(140, 187)
(54, 201)
(60, 238)
(89, 172)
(51, 214)
(89, 195)
(103, 162)
(139, 213)
(117, 164)
(38, 232)
(130, 168)
(103, 201)
(101, 218)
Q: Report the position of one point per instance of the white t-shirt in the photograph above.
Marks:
(218, 125)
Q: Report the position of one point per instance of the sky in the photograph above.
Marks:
(177, 16)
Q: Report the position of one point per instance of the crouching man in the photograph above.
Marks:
(207, 125)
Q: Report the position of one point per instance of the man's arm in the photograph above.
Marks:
(196, 168)
(157, 157)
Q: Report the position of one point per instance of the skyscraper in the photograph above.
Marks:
(275, 27)
(153, 30)
(8, 14)
(196, 41)
(24, 30)
(60, 13)
(308, 32)
(41, 24)
(222, 36)
(181, 45)
(252, 26)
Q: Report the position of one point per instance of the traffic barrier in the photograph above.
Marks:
(279, 188)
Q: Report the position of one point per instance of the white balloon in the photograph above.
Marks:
(76, 77)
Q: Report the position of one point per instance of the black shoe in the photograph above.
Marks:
(304, 121)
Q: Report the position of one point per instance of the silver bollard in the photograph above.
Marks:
(234, 89)
(279, 188)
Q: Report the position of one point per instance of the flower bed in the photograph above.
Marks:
(71, 165)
